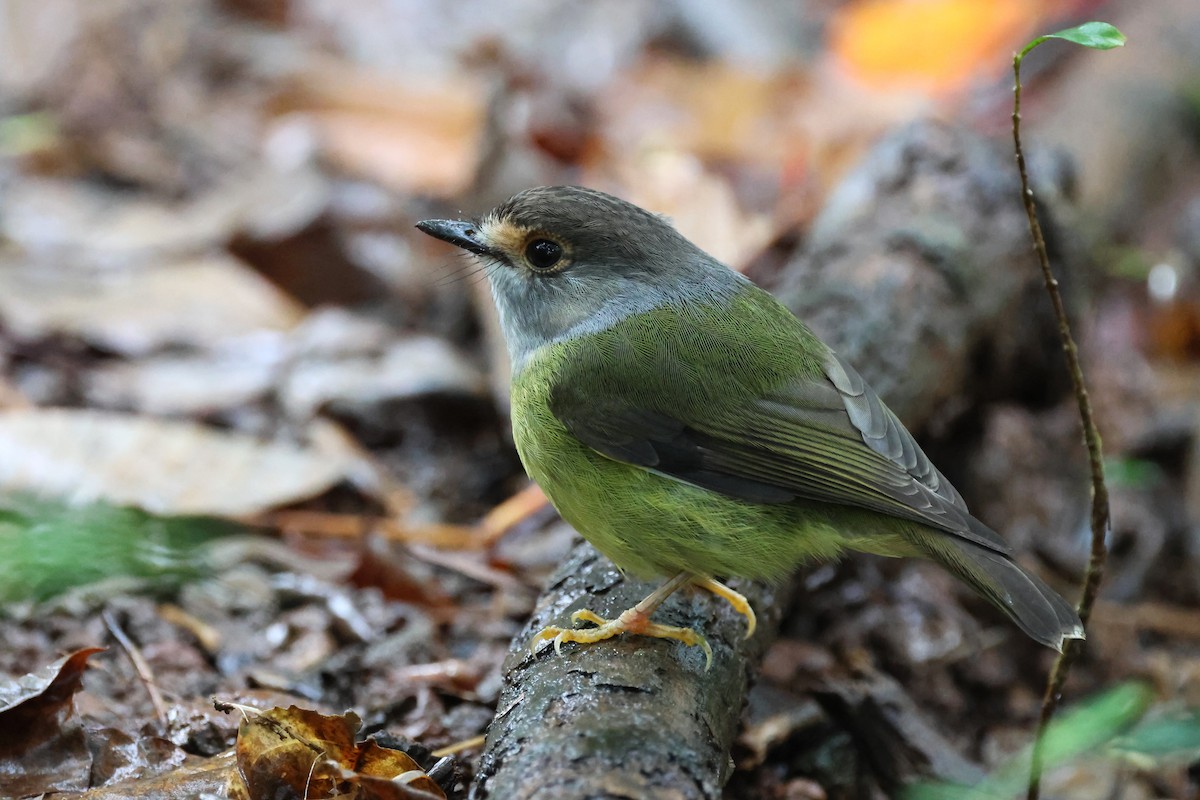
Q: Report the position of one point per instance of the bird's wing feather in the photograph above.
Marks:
(818, 433)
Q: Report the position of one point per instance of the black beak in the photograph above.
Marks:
(456, 232)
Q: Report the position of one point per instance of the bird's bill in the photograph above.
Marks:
(457, 232)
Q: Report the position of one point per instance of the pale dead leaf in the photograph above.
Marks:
(413, 135)
(419, 365)
(164, 467)
(716, 110)
(186, 385)
(802, 129)
(79, 223)
(35, 38)
(58, 219)
(199, 301)
(333, 357)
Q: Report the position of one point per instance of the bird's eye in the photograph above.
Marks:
(543, 253)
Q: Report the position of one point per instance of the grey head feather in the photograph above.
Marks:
(624, 261)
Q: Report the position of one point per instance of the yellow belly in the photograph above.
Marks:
(649, 524)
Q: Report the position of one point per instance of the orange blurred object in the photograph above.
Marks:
(934, 46)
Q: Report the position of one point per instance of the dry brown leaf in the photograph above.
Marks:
(302, 752)
(39, 751)
(397, 767)
(41, 701)
(162, 466)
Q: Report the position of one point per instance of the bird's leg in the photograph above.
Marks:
(740, 604)
(636, 620)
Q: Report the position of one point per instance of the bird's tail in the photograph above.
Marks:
(1036, 608)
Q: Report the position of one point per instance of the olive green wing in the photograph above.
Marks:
(819, 433)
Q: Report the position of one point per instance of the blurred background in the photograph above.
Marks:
(217, 320)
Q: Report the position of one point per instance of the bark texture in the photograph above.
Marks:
(630, 717)
(920, 272)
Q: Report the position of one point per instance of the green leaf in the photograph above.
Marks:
(1096, 35)
(1164, 737)
(1136, 473)
(47, 547)
(1083, 730)
(27, 133)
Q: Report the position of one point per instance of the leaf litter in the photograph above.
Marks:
(207, 265)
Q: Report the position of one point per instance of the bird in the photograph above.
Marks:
(691, 428)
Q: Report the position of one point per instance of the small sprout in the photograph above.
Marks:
(1096, 35)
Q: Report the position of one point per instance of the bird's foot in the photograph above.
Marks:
(634, 621)
(739, 602)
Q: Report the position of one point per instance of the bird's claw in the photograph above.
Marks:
(736, 600)
(632, 621)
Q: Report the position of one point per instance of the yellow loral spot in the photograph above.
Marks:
(505, 237)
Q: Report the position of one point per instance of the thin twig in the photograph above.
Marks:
(144, 673)
(495, 524)
(1091, 437)
(454, 749)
